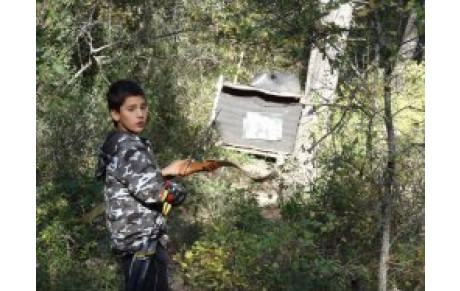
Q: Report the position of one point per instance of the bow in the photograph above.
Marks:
(188, 166)
(185, 168)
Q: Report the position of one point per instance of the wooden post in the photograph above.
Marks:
(235, 79)
(219, 84)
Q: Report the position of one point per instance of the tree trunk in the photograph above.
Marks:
(322, 80)
(408, 35)
(406, 51)
(388, 183)
(409, 40)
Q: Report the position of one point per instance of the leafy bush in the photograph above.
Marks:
(71, 255)
(249, 252)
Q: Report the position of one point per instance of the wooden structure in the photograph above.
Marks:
(255, 120)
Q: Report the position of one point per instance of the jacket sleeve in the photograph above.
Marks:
(139, 172)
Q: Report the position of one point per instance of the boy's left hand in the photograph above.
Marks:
(177, 167)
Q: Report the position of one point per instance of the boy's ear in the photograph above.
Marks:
(115, 115)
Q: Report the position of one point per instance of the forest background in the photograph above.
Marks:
(329, 235)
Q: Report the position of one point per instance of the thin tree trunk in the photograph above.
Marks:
(388, 184)
(370, 126)
(407, 34)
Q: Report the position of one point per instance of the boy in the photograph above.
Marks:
(136, 194)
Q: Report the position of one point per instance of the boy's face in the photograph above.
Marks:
(132, 116)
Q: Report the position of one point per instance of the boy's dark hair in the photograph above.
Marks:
(119, 91)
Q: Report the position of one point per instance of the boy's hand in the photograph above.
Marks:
(173, 193)
(176, 168)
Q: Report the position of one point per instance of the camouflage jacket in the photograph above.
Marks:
(133, 183)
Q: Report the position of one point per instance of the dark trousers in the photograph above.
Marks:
(157, 273)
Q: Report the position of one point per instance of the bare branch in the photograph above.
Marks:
(96, 50)
(408, 107)
(100, 60)
(338, 124)
(333, 129)
(77, 74)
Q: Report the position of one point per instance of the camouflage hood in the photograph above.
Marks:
(108, 149)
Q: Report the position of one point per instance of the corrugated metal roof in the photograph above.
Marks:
(263, 91)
